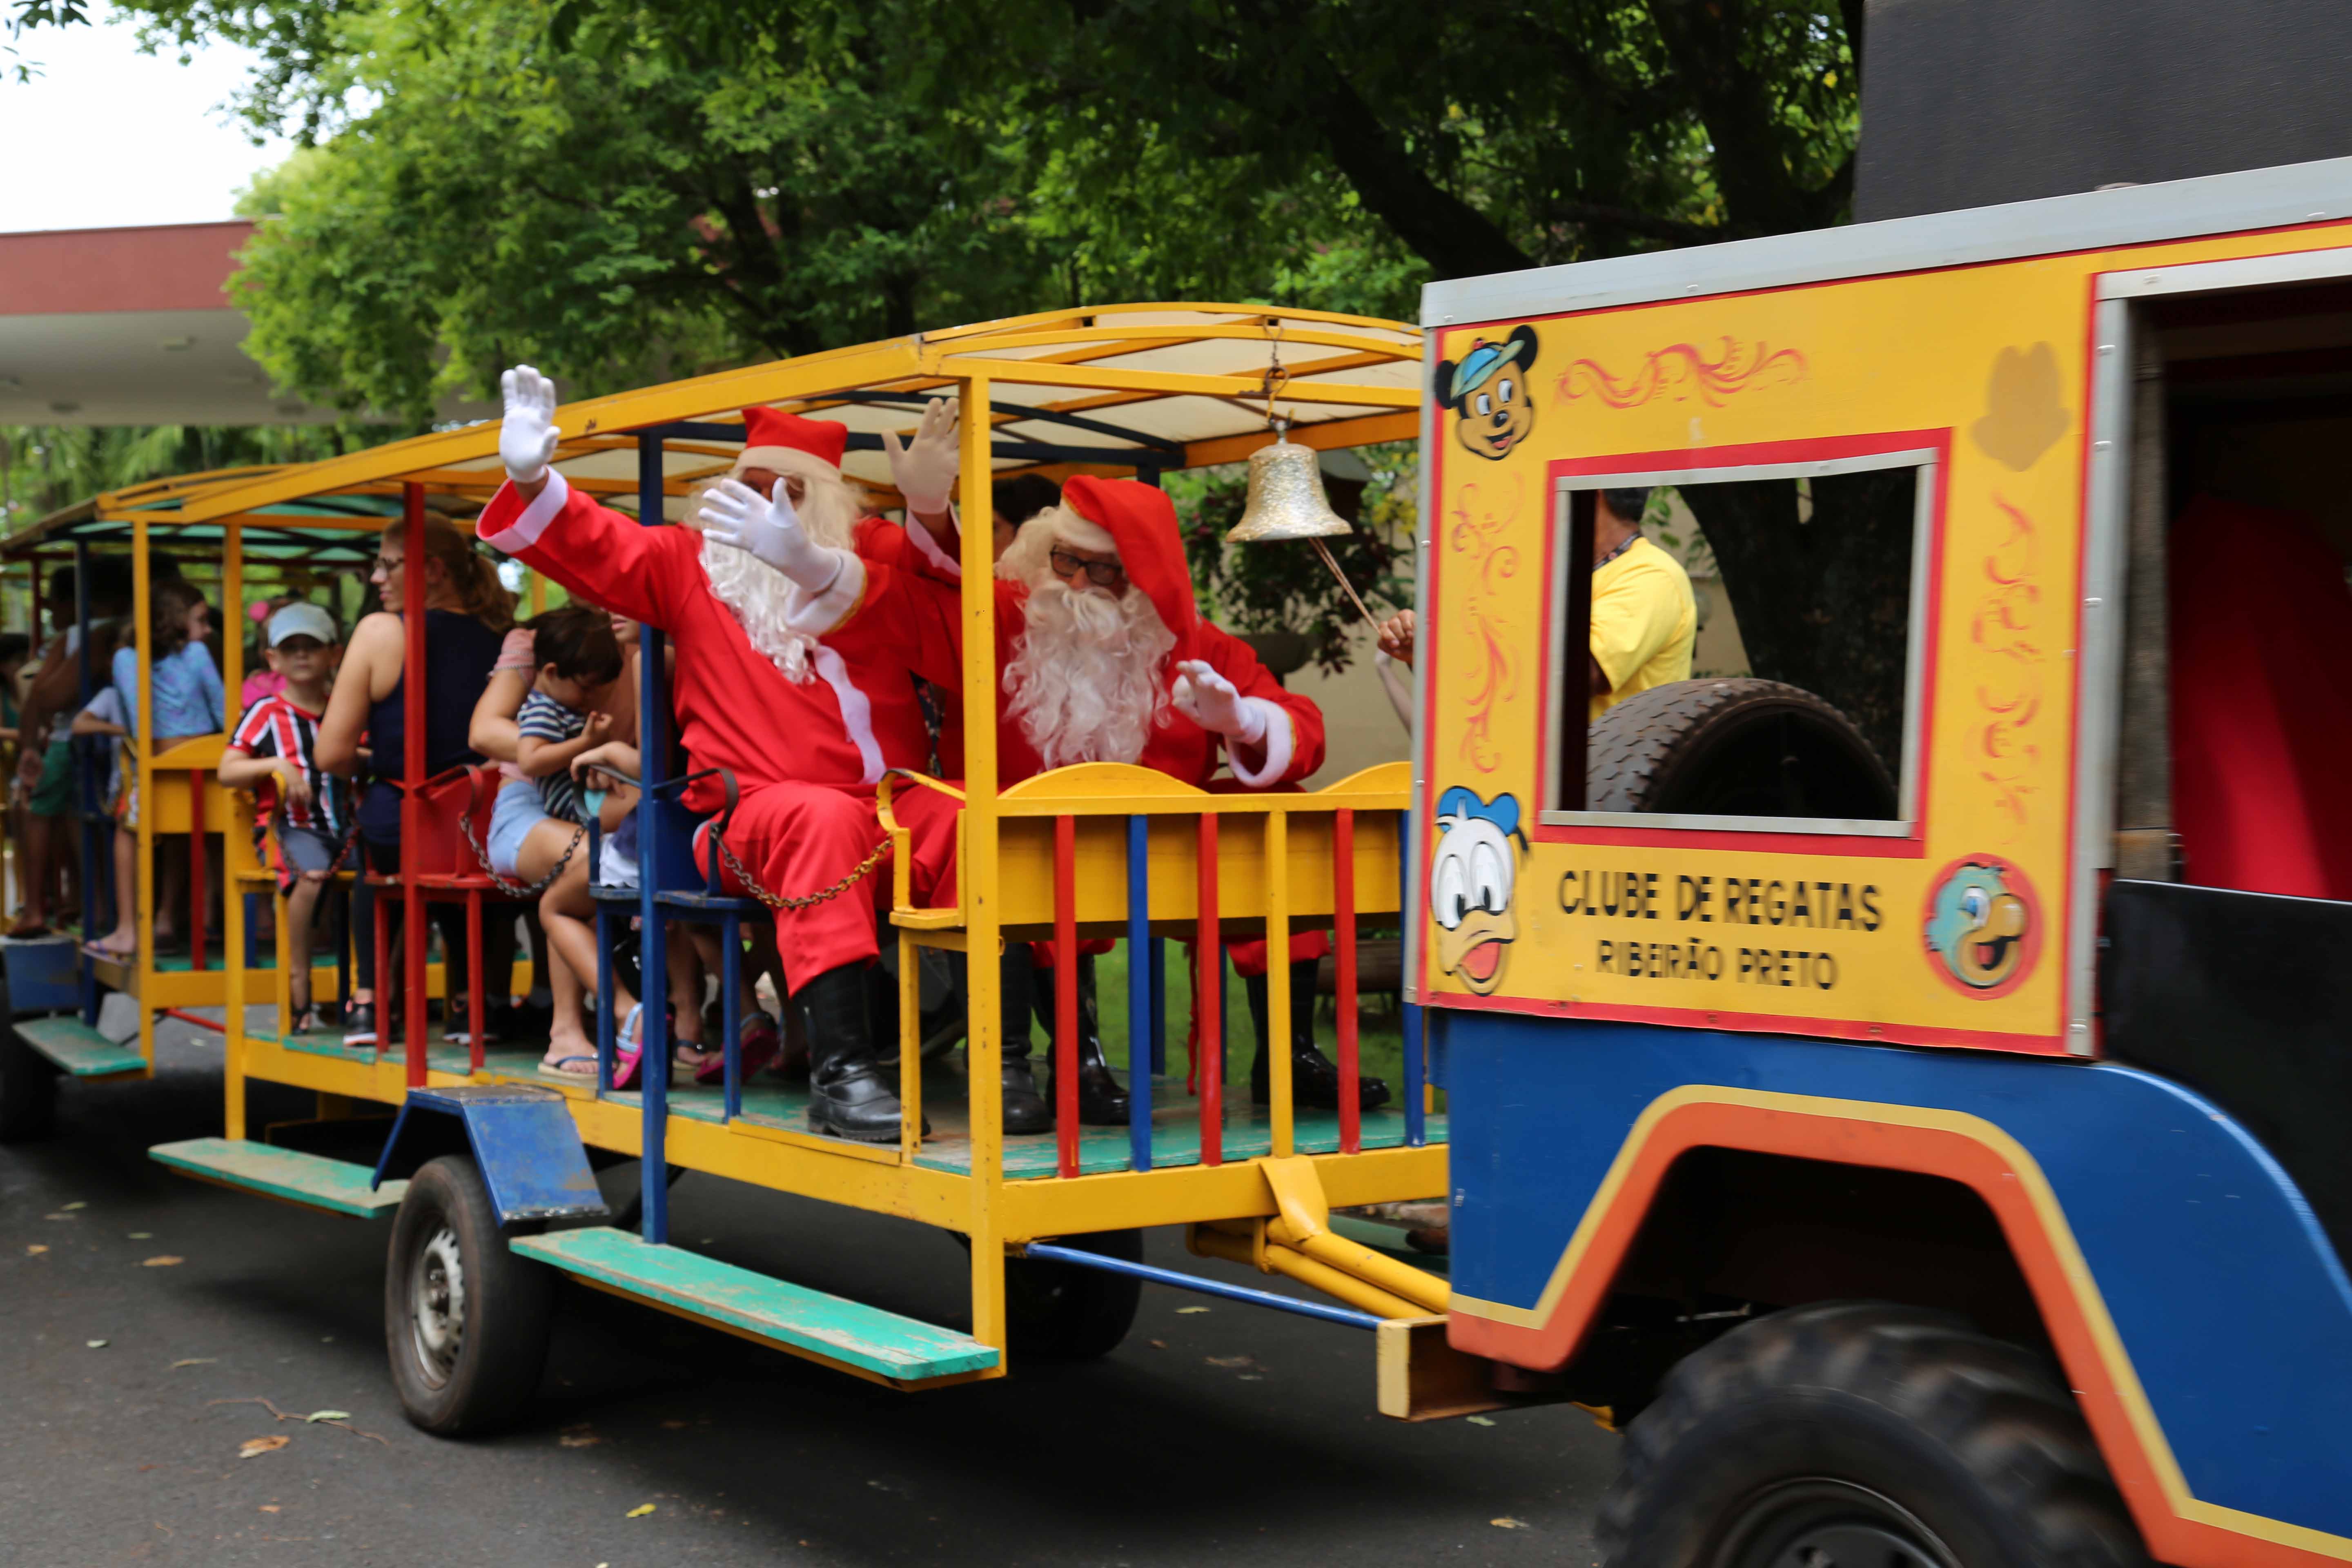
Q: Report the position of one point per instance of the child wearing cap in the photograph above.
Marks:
(307, 811)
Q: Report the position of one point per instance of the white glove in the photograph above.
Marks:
(925, 469)
(1210, 700)
(733, 514)
(527, 436)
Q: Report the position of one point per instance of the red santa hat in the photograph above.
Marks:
(1139, 521)
(771, 437)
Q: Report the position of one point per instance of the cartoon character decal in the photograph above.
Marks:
(1983, 926)
(1487, 391)
(1470, 881)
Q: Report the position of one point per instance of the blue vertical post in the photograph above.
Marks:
(1139, 990)
(1416, 1064)
(1159, 978)
(86, 831)
(653, 748)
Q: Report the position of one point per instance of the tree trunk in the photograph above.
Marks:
(1824, 604)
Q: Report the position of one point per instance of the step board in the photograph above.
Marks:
(78, 1048)
(881, 1346)
(313, 1181)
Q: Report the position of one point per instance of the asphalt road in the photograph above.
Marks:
(1229, 1436)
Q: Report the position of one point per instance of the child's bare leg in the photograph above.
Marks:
(683, 957)
(567, 1034)
(301, 910)
(123, 941)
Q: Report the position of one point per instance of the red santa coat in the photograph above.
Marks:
(806, 755)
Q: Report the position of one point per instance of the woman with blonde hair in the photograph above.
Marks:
(467, 613)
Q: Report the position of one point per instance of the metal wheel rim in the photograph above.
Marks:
(1818, 1521)
(436, 1306)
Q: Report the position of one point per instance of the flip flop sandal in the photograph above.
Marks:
(110, 954)
(560, 1067)
(304, 1021)
(761, 1042)
(627, 1057)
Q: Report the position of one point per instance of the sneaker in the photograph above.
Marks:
(359, 1025)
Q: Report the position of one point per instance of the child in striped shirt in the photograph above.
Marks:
(307, 810)
(578, 660)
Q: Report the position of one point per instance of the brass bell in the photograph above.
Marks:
(1285, 498)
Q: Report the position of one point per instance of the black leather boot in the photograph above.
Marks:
(1102, 1102)
(1025, 1110)
(848, 1096)
(1314, 1078)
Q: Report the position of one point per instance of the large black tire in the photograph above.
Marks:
(1850, 1432)
(1734, 748)
(28, 1089)
(1057, 1311)
(466, 1322)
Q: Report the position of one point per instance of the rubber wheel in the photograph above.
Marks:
(465, 1319)
(1847, 1434)
(1734, 748)
(28, 1091)
(1056, 1311)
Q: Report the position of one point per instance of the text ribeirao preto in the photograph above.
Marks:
(1797, 908)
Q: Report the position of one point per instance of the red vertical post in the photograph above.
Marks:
(418, 566)
(477, 987)
(1065, 993)
(199, 894)
(1208, 1001)
(1343, 906)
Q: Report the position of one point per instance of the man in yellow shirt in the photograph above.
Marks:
(1643, 617)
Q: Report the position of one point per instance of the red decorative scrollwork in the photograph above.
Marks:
(1682, 370)
(1476, 532)
(2003, 624)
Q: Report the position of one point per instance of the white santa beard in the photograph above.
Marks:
(1085, 678)
(759, 596)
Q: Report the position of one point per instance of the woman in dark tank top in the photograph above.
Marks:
(467, 613)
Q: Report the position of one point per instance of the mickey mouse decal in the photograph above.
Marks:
(1487, 391)
(1470, 882)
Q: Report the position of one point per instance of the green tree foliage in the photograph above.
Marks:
(623, 191)
(45, 467)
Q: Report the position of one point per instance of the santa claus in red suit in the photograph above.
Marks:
(777, 681)
(1106, 658)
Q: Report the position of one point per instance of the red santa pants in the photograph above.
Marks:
(800, 838)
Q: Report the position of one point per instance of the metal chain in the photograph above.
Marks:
(516, 890)
(743, 876)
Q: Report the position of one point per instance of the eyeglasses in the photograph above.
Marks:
(388, 565)
(1101, 574)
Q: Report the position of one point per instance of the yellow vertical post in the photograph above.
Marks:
(233, 624)
(142, 779)
(976, 879)
(1277, 979)
(538, 592)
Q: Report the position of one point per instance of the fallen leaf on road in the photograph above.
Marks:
(328, 1415)
(1480, 1421)
(1231, 1360)
(195, 1361)
(640, 1511)
(162, 1260)
(142, 1236)
(579, 1440)
(1250, 1377)
(57, 1216)
(34, 1250)
(1191, 1308)
(77, 1204)
(97, 1344)
(269, 1508)
(252, 1446)
(1160, 1344)
(673, 1426)
(1508, 1524)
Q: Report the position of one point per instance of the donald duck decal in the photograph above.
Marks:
(1470, 883)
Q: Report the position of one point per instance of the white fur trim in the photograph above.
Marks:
(857, 712)
(783, 460)
(1084, 533)
(814, 611)
(1279, 745)
(930, 548)
(526, 529)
